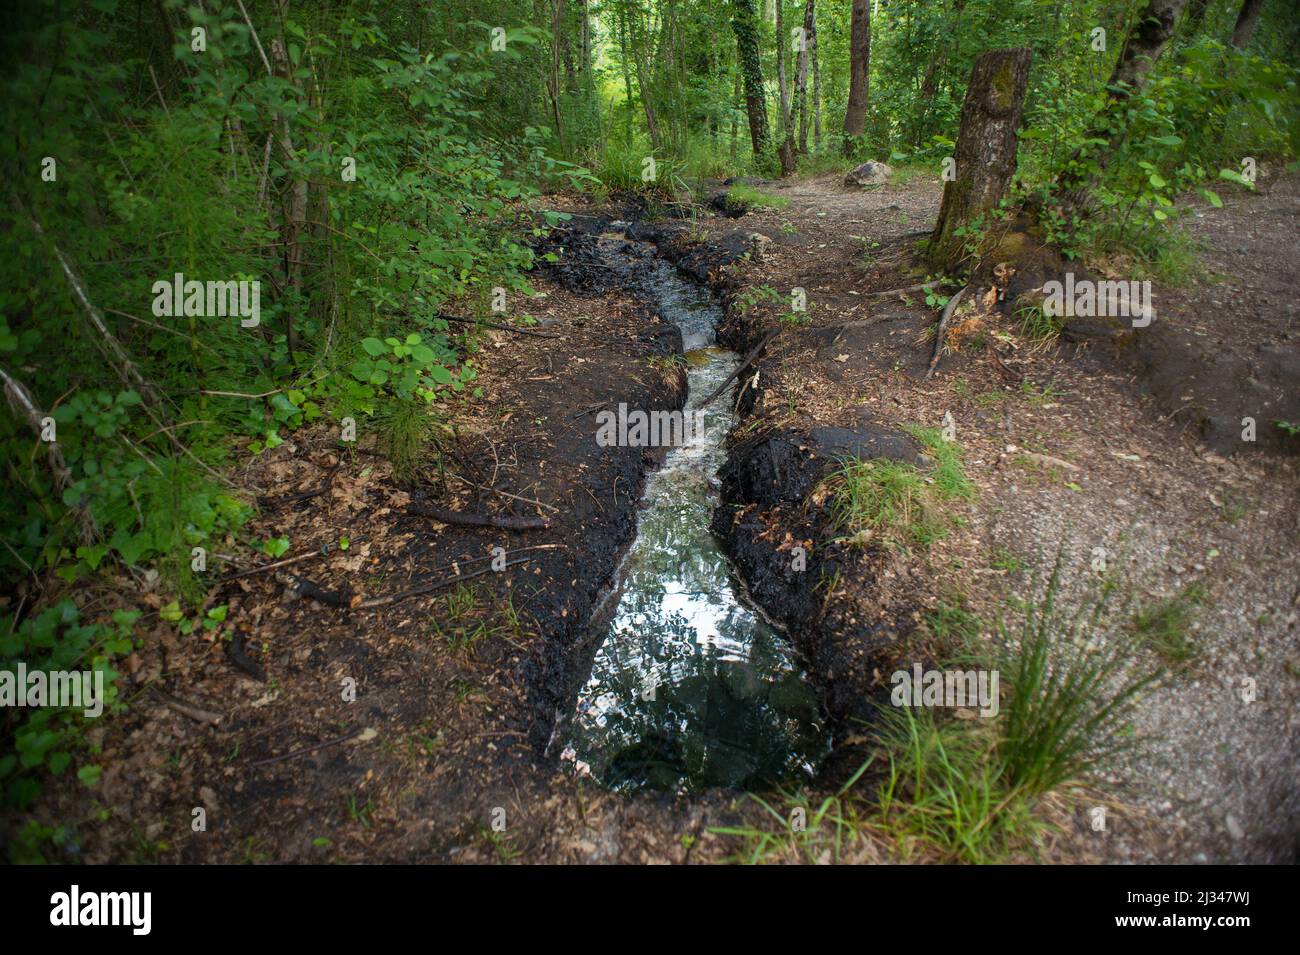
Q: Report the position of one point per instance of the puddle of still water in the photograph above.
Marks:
(691, 688)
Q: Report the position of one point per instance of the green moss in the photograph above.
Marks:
(1003, 85)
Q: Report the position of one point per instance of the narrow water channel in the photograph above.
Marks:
(690, 688)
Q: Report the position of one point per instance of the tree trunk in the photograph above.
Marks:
(735, 98)
(1247, 20)
(1147, 40)
(809, 29)
(745, 25)
(855, 116)
(626, 64)
(586, 41)
(1144, 44)
(786, 150)
(986, 151)
(817, 96)
(930, 84)
(295, 206)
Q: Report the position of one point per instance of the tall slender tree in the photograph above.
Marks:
(855, 115)
(805, 51)
(744, 23)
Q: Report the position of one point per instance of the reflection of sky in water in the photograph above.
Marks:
(691, 688)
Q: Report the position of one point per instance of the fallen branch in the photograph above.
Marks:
(749, 359)
(466, 519)
(906, 288)
(513, 497)
(241, 660)
(188, 709)
(126, 367)
(21, 401)
(279, 563)
(942, 330)
(307, 749)
(434, 585)
(297, 587)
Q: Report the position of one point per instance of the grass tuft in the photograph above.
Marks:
(1165, 625)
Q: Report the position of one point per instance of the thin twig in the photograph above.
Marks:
(497, 325)
(307, 749)
(430, 587)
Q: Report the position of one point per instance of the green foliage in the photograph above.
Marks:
(747, 196)
(379, 165)
(49, 739)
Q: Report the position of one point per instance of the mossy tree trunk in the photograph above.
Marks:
(745, 25)
(986, 151)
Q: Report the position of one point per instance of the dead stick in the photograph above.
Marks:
(497, 490)
(317, 491)
(188, 709)
(430, 587)
(306, 749)
(742, 366)
(279, 563)
(466, 519)
(943, 328)
(905, 288)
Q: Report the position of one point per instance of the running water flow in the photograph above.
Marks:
(691, 688)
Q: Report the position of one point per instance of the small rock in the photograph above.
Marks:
(1234, 827)
(869, 174)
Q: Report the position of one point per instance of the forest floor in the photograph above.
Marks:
(442, 756)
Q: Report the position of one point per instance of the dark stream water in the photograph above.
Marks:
(690, 688)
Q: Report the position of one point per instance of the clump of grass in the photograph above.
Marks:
(895, 501)
(743, 196)
(1164, 625)
(952, 623)
(408, 433)
(1071, 693)
(882, 498)
(949, 474)
(1037, 324)
(944, 791)
(805, 831)
(1005, 560)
